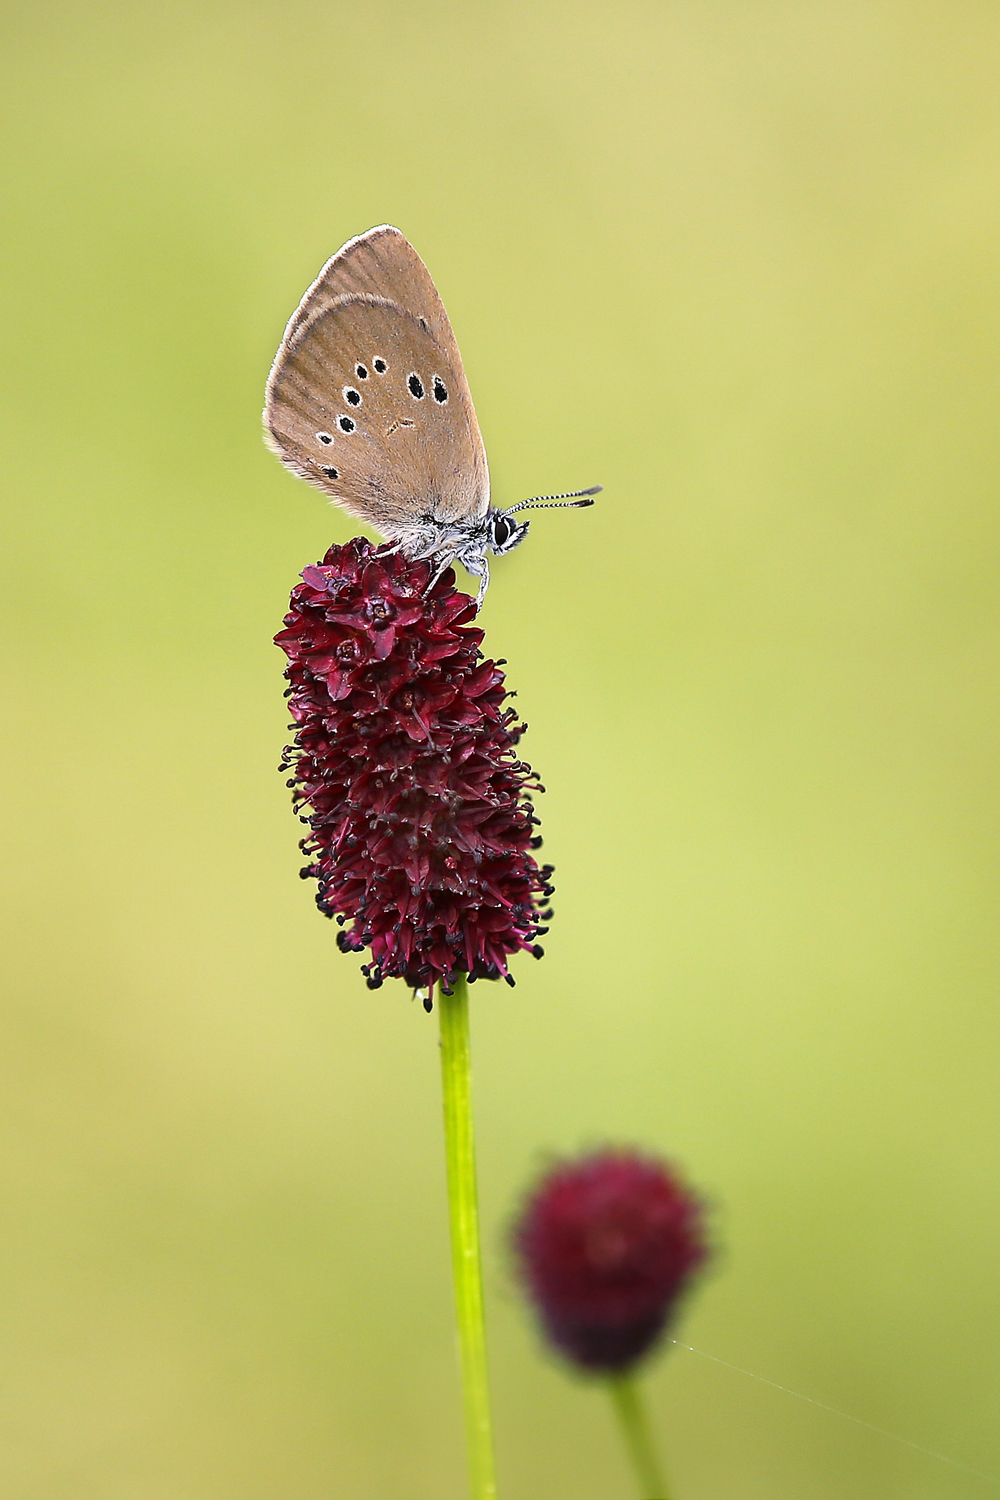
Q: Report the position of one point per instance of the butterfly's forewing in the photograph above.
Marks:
(366, 404)
(382, 263)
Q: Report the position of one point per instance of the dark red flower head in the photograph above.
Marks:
(405, 770)
(605, 1246)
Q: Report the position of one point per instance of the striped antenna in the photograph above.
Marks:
(573, 499)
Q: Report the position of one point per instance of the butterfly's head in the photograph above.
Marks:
(505, 532)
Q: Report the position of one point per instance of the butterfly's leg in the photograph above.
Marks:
(431, 550)
(484, 583)
(446, 562)
(473, 560)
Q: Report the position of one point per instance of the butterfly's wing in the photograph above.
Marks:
(366, 404)
(382, 263)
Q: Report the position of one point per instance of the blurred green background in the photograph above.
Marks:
(738, 262)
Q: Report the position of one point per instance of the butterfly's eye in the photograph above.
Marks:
(440, 390)
(361, 372)
(346, 424)
(351, 396)
(380, 366)
(325, 438)
(416, 386)
(506, 534)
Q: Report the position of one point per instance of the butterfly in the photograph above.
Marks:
(367, 399)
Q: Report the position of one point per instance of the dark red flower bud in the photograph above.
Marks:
(405, 771)
(605, 1246)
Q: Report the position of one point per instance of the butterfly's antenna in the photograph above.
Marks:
(572, 500)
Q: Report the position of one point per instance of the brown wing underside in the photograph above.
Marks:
(391, 456)
(383, 263)
(380, 263)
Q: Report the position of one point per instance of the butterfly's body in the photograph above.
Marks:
(464, 541)
(367, 399)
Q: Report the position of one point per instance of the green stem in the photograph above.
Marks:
(631, 1411)
(460, 1151)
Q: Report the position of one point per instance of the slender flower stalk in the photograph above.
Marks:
(634, 1420)
(460, 1153)
(606, 1247)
